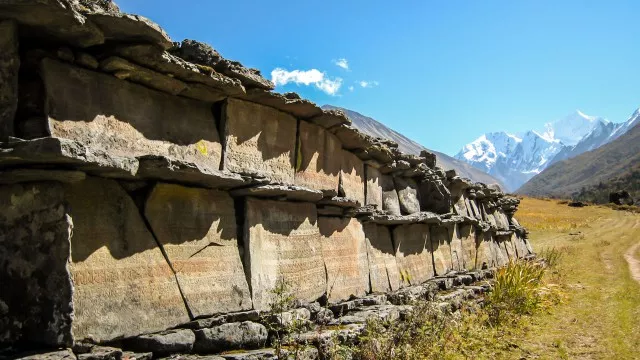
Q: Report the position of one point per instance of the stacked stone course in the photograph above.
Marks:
(153, 194)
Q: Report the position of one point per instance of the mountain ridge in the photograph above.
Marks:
(515, 159)
(374, 127)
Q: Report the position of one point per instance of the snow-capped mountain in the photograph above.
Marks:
(516, 158)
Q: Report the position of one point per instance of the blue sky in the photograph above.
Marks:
(442, 72)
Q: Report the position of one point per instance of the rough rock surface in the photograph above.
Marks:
(282, 242)
(316, 166)
(36, 296)
(9, 65)
(390, 201)
(383, 268)
(197, 231)
(413, 253)
(344, 251)
(407, 195)
(231, 336)
(141, 121)
(440, 242)
(259, 141)
(352, 181)
(374, 188)
(167, 342)
(123, 285)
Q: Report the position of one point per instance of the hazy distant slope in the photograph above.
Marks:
(374, 128)
(617, 162)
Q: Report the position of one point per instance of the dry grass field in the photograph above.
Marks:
(599, 317)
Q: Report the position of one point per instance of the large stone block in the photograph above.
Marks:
(374, 187)
(123, 283)
(457, 251)
(485, 251)
(467, 234)
(317, 166)
(125, 119)
(197, 229)
(352, 180)
(520, 245)
(390, 201)
(502, 221)
(383, 268)
(344, 250)
(500, 251)
(282, 242)
(413, 253)
(9, 66)
(507, 247)
(259, 141)
(440, 242)
(35, 284)
(408, 195)
(434, 196)
(460, 207)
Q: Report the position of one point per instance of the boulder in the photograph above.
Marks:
(102, 353)
(197, 231)
(260, 141)
(413, 253)
(344, 251)
(167, 342)
(123, 285)
(407, 195)
(9, 66)
(231, 336)
(53, 355)
(35, 284)
(374, 188)
(282, 243)
(390, 201)
(330, 118)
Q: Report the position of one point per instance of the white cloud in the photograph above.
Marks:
(343, 63)
(368, 84)
(351, 88)
(315, 77)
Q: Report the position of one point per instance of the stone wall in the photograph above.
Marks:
(147, 185)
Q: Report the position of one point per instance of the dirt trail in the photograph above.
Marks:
(634, 263)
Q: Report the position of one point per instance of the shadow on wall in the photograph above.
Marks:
(76, 94)
(105, 215)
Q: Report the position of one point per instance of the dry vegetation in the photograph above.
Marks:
(599, 318)
(584, 306)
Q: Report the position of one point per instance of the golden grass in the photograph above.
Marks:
(600, 317)
(539, 214)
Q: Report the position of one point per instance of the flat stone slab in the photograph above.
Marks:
(197, 230)
(457, 252)
(441, 244)
(9, 67)
(129, 120)
(282, 243)
(467, 234)
(344, 251)
(284, 192)
(390, 201)
(413, 253)
(32, 175)
(52, 151)
(421, 217)
(123, 285)
(343, 202)
(407, 195)
(260, 141)
(383, 268)
(374, 187)
(317, 167)
(352, 180)
(486, 256)
(166, 169)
